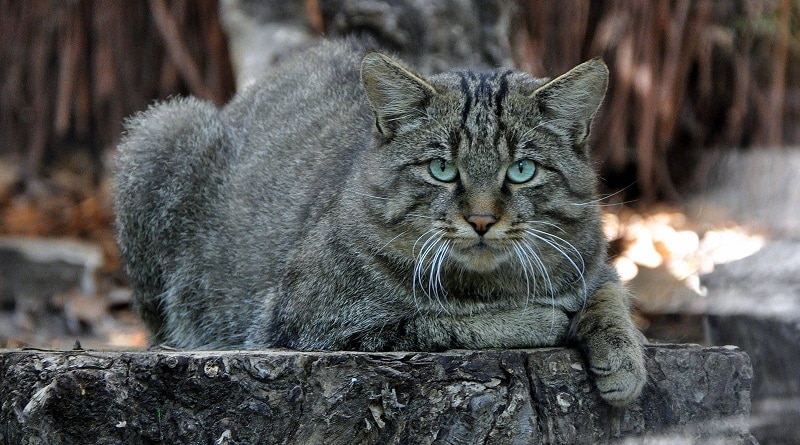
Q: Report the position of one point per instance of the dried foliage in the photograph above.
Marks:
(686, 75)
(72, 71)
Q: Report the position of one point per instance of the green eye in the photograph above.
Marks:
(521, 171)
(442, 170)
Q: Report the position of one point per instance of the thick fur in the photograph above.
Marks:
(309, 214)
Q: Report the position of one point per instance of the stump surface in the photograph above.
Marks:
(248, 397)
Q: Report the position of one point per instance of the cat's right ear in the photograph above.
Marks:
(395, 93)
(572, 99)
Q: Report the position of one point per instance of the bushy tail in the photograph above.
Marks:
(168, 171)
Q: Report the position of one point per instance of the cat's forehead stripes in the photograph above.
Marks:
(481, 126)
(482, 92)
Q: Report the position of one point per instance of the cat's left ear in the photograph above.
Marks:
(572, 99)
(395, 93)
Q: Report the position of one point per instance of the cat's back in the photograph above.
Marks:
(210, 202)
(297, 133)
(311, 97)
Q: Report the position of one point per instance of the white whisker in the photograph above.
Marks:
(559, 249)
(555, 226)
(419, 261)
(431, 255)
(539, 264)
(571, 246)
(595, 201)
(379, 250)
(366, 194)
(435, 276)
(419, 215)
(524, 263)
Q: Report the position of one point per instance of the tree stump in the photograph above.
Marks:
(533, 396)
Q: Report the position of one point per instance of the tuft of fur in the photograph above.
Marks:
(344, 202)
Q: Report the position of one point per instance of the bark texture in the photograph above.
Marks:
(540, 396)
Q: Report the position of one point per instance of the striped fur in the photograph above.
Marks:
(344, 202)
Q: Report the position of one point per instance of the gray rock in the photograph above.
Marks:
(261, 33)
(754, 302)
(431, 36)
(34, 269)
(757, 307)
(759, 187)
(500, 397)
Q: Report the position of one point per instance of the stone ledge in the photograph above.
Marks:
(244, 397)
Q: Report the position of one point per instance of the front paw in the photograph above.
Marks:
(617, 362)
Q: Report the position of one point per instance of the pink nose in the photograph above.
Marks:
(481, 222)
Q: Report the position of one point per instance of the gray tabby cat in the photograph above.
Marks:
(328, 207)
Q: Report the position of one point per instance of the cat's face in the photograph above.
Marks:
(481, 171)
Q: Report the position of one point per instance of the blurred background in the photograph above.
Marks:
(696, 144)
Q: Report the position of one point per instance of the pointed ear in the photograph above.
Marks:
(395, 93)
(572, 99)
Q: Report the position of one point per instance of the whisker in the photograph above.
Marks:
(435, 277)
(414, 247)
(539, 264)
(432, 255)
(366, 194)
(594, 201)
(389, 242)
(556, 226)
(419, 261)
(558, 248)
(524, 264)
(418, 215)
(571, 246)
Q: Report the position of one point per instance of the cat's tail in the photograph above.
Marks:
(167, 173)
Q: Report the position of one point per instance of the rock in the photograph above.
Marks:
(32, 272)
(261, 33)
(754, 302)
(757, 301)
(757, 187)
(496, 396)
(431, 36)
(34, 269)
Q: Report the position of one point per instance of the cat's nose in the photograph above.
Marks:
(481, 222)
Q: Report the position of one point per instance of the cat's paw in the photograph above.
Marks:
(617, 362)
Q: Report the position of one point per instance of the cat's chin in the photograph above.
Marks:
(479, 259)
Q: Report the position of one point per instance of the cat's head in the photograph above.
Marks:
(480, 170)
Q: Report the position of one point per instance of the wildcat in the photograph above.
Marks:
(344, 202)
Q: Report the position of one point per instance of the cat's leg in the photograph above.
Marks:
(612, 345)
(527, 327)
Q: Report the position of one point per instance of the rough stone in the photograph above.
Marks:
(32, 270)
(496, 396)
(432, 36)
(261, 33)
(757, 301)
